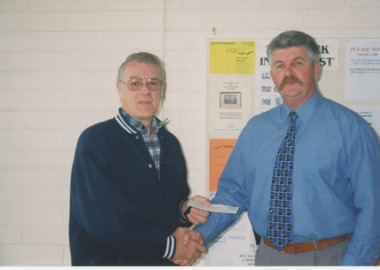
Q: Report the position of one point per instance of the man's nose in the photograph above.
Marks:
(288, 71)
(144, 88)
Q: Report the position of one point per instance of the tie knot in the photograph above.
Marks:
(293, 116)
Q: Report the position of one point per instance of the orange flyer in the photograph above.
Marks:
(220, 151)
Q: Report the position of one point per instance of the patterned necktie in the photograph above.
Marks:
(279, 230)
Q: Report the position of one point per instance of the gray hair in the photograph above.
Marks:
(294, 39)
(147, 58)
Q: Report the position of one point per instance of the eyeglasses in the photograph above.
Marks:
(135, 84)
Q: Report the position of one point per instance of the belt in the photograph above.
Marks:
(309, 246)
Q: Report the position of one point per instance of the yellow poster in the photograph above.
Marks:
(220, 151)
(232, 57)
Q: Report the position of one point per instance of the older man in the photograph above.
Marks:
(129, 190)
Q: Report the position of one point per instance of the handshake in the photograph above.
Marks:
(190, 244)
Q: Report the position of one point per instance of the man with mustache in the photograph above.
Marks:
(129, 190)
(315, 200)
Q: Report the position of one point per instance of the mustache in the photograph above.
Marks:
(290, 80)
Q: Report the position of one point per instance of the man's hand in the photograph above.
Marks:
(196, 216)
(189, 246)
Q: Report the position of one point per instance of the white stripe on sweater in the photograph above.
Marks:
(124, 125)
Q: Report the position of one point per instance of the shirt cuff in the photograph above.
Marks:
(170, 247)
(349, 260)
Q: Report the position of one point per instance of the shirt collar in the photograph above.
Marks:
(305, 112)
(155, 125)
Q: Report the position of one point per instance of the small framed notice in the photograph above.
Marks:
(230, 100)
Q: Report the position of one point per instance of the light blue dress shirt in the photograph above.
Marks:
(336, 177)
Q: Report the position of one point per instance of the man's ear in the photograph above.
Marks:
(317, 70)
(119, 89)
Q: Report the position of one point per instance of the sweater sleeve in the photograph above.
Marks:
(102, 210)
(170, 247)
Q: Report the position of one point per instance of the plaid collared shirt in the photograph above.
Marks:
(152, 143)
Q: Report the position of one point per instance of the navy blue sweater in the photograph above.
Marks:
(121, 213)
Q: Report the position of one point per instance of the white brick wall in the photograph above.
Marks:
(58, 63)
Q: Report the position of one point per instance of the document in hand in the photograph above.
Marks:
(219, 208)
